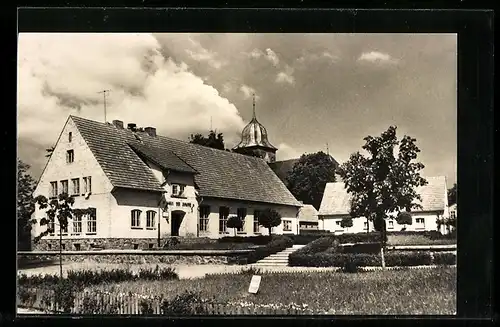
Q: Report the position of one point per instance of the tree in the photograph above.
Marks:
(234, 222)
(269, 218)
(452, 194)
(404, 218)
(49, 151)
(383, 183)
(213, 140)
(59, 209)
(25, 204)
(309, 176)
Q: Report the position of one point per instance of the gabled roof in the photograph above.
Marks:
(220, 174)
(308, 213)
(336, 200)
(165, 159)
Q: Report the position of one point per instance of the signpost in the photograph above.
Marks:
(254, 284)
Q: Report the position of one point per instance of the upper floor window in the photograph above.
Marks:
(204, 214)
(76, 186)
(70, 156)
(87, 184)
(150, 219)
(64, 186)
(135, 218)
(178, 189)
(53, 189)
(70, 137)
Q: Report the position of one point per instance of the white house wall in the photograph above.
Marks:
(329, 223)
(84, 165)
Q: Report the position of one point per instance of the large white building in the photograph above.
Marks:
(335, 205)
(141, 186)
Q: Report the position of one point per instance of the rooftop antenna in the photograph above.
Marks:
(253, 106)
(104, 92)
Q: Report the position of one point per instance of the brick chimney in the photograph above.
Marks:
(151, 131)
(118, 124)
(132, 127)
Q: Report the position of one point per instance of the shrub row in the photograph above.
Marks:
(257, 240)
(318, 245)
(360, 248)
(432, 235)
(366, 259)
(278, 243)
(84, 278)
(371, 237)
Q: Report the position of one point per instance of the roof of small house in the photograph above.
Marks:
(308, 213)
(336, 200)
(282, 168)
(218, 173)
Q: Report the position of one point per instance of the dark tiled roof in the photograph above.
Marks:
(281, 168)
(308, 213)
(336, 200)
(163, 158)
(221, 174)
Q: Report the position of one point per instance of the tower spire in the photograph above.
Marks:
(254, 107)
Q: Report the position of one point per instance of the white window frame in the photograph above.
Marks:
(150, 219)
(135, 219)
(87, 184)
(203, 218)
(287, 222)
(75, 182)
(419, 225)
(223, 216)
(178, 190)
(70, 156)
(256, 222)
(91, 225)
(77, 225)
(54, 189)
(65, 182)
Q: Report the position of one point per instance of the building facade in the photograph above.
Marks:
(335, 205)
(133, 188)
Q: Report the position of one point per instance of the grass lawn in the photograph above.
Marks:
(426, 291)
(416, 240)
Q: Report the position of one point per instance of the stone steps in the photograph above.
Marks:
(279, 259)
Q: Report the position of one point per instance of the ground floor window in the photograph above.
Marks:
(150, 219)
(91, 224)
(242, 213)
(223, 215)
(287, 225)
(256, 227)
(365, 225)
(419, 223)
(135, 218)
(203, 218)
(77, 224)
(390, 225)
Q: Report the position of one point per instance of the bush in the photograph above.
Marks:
(371, 237)
(319, 245)
(257, 240)
(158, 274)
(146, 307)
(92, 304)
(26, 296)
(432, 235)
(64, 295)
(308, 238)
(360, 259)
(445, 258)
(186, 304)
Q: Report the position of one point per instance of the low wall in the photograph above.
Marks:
(111, 243)
(132, 257)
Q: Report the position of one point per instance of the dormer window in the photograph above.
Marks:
(178, 190)
(70, 156)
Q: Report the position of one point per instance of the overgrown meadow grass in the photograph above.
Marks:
(416, 240)
(419, 291)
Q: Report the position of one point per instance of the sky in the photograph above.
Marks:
(311, 89)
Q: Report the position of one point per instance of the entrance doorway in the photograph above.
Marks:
(176, 221)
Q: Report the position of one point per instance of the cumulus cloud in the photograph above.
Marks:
(317, 57)
(285, 152)
(286, 76)
(269, 55)
(248, 92)
(61, 74)
(199, 53)
(377, 57)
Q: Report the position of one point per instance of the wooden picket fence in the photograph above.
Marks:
(129, 304)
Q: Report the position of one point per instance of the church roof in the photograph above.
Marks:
(254, 134)
(336, 200)
(218, 173)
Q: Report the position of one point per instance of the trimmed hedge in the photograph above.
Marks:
(257, 240)
(318, 245)
(306, 239)
(432, 235)
(371, 237)
(366, 259)
(278, 243)
(445, 258)
(373, 247)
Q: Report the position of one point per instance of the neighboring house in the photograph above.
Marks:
(308, 218)
(453, 214)
(336, 204)
(142, 186)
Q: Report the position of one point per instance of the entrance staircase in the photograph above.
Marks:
(279, 259)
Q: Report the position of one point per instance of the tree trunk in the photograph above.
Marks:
(382, 257)
(270, 231)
